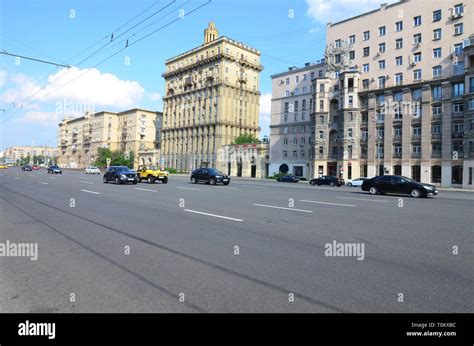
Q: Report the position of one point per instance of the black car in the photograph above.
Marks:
(55, 170)
(27, 168)
(399, 185)
(209, 175)
(120, 175)
(288, 179)
(327, 180)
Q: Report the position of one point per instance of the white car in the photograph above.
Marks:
(356, 182)
(92, 170)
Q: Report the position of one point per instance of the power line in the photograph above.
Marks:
(111, 56)
(4, 52)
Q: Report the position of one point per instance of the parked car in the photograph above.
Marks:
(92, 170)
(55, 169)
(152, 174)
(26, 168)
(209, 175)
(399, 185)
(3, 166)
(327, 180)
(288, 179)
(356, 182)
(35, 168)
(120, 175)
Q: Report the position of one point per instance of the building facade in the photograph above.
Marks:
(398, 97)
(246, 160)
(15, 153)
(212, 96)
(134, 130)
(292, 129)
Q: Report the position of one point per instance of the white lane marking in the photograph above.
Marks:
(88, 191)
(187, 188)
(17, 178)
(42, 182)
(213, 215)
(364, 199)
(276, 207)
(87, 182)
(149, 190)
(1, 174)
(317, 202)
(252, 186)
(226, 187)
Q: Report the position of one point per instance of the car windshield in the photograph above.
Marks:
(153, 168)
(405, 179)
(122, 169)
(214, 171)
(54, 166)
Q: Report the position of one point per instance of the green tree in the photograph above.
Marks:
(117, 158)
(245, 138)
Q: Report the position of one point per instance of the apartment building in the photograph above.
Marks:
(212, 96)
(292, 127)
(399, 95)
(15, 153)
(135, 130)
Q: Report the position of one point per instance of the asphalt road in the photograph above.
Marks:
(183, 241)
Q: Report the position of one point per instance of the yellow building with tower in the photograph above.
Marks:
(212, 96)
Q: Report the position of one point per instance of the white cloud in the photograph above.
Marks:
(80, 86)
(325, 11)
(3, 78)
(154, 96)
(265, 113)
(39, 118)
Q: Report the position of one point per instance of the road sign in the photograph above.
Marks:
(108, 160)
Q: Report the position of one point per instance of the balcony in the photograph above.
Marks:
(457, 135)
(415, 155)
(435, 136)
(436, 154)
(397, 155)
(397, 138)
(415, 138)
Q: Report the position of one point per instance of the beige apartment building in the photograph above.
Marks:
(399, 97)
(15, 153)
(135, 130)
(212, 96)
(292, 126)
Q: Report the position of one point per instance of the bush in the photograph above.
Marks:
(277, 175)
(171, 170)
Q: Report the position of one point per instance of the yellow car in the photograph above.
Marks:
(3, 166)
(151, 174)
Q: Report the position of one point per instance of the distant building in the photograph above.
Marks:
(212, 97)
(16, 153)
(135, 130)
(246, 160)
(291, 127)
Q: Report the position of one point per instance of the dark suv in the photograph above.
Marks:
(54, 169)
(26, 168)
(209, 175)
(399, 185)
(327, 180)
(120, 174)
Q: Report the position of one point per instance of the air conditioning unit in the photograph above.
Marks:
(456, 16)
(387, 76)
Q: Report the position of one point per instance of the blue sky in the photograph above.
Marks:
(287, 32)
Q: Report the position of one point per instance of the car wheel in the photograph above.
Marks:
(415, 193)
(194, 180)
(226, 183)
(318, 184)
(331, 184)
(212, 181)
(117, 181)
(312, 182)
(150, 179)
(349, 184)
(135, 182)
(104, 179)
(373, 190)
(165, 180)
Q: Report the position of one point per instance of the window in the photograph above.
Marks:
(417, 75)
(436, 129)
(417, 131)
(437, 53)
(297, 91)
(416, 94)
(312, 75)
(382, 31)
(295, 141)
(458, 108)
(321, 105)
(437, 70)
(285, 153)
(382, 82)
(337, 58)
(436, 92)
(285, 141)
(321, 88)
(458, 29)
(458, 128)
(398, 132)
(437, 34)
(365, 67)
(397, 150)
(320, 73)
(366, 35)
(399, 26)
(351, 100)
(417, 57)
(399, 61)
(399, 79)
(352, 39)
(417, 39)
(338, 43)
(436, 110)
(458, 10)
(417, 21)
(366, 51)
(382, 47)
(458, 48)
(287, 93)
(305, 77)
(436, 16)
(458, 89)
(471, 104)
(297, 79)
(352, 55)
(381, 64)
(399, 43)
(321, 134)
(304, 90)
